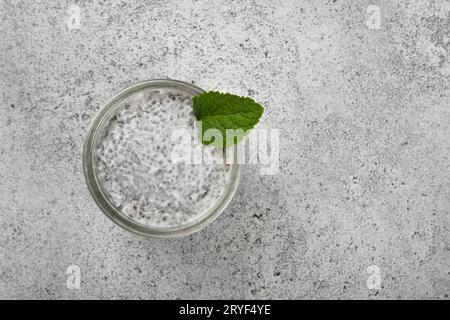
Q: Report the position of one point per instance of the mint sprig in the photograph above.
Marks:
(224, 117)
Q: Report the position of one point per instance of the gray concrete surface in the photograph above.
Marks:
(365, 150)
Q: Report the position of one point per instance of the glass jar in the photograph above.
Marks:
(107, 206)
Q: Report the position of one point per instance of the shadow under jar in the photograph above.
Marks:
(131, 171)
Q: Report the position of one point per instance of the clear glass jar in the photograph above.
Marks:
(109, 209)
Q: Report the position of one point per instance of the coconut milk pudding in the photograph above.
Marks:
(134, 166)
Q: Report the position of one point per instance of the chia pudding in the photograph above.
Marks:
(134, 167)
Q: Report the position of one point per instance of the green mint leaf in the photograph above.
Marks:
(225, 118)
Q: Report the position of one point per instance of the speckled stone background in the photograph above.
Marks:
(364, 163)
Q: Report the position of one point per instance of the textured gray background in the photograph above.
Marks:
(365, 172)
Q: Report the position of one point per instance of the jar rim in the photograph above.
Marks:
(115, 215)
